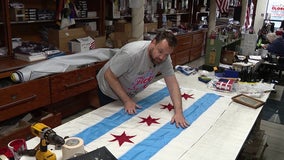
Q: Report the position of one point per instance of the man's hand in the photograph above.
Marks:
(180, 121)
(130, 107)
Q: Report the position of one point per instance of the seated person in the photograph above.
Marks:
(270, 37)
(276, 44)
(276, 47)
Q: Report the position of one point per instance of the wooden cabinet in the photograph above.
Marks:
(190, 47)
(61, 94)
(198, 44)
(195, 53)
(24, 97)
(182, 51)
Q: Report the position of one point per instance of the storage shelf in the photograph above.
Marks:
(36, 21)
(88, 18)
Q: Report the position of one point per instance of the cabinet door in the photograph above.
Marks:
(182, 57)
(184, 42)
(21, 98)
(195, 53)
(198, 39)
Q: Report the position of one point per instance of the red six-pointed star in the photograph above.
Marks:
(122, 138)
(169, 106)
(149, 120)
(185, 96)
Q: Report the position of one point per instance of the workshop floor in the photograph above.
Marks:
(273, 131)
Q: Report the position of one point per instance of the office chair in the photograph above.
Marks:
(280, 66)
(271, 69)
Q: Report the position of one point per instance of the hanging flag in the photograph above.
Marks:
(247, 20)
(223, 5)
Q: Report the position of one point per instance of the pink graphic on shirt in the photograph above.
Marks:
(141, 82)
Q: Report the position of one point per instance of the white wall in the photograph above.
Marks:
(260, 14)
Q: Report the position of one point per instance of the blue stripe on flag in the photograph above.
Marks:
(108, 123)
(157, 140)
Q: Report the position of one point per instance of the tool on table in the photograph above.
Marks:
(47, 136)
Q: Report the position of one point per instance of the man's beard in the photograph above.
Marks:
(155, 62)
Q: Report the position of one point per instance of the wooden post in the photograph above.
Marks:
(212, 17)
(244, 10)
(137, 20)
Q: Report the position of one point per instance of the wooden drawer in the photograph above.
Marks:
(184, 42)
(182, 57)
(72, 83)
(195, 53)
(198, 39)
(23, 97)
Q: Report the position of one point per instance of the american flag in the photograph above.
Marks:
(223, 5)
(247, 20)
(93, 45)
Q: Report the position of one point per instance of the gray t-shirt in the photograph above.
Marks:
(134, 69)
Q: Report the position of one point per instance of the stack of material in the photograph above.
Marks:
(32, 51)
(248, 44)
(30, 14)
(82, 7)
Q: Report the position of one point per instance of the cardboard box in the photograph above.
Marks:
(90, 32)
(81, 44)
(228, 57)
(100, 42)
(150, 27)
(61, 38)
(120, 39)
(123, 27)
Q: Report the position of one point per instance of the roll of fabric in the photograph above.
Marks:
(62, 64)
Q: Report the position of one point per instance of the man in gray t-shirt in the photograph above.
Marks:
(134, 67)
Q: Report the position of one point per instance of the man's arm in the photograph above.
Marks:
(175, 94)
(129, 104)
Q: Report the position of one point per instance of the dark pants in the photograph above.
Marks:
(104, 99)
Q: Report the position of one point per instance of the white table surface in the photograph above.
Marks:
(219, 133)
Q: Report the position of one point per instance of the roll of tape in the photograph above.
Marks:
(73, 146)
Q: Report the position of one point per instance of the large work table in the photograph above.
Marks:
(218, 130)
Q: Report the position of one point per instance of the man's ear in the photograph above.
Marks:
(154, 41)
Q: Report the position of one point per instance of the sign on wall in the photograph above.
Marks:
(275, 10)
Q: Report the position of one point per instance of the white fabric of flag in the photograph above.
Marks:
(149, 133)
